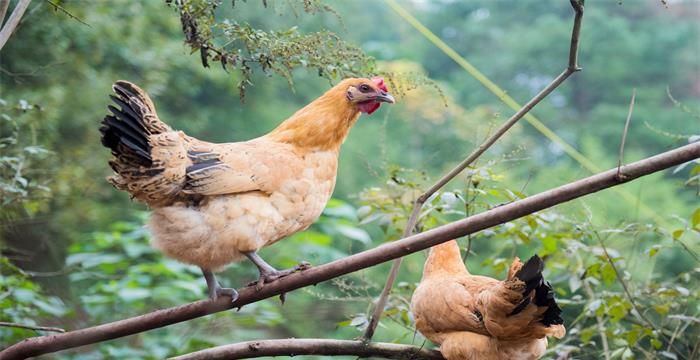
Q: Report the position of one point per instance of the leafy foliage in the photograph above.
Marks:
(22, 155)
(240, 45)
(23, 302)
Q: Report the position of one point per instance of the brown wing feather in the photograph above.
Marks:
(256, 165)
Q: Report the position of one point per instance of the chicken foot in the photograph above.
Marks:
(215, 289)
(268, 273)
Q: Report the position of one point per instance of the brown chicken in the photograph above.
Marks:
(217, 203)
(476, 317)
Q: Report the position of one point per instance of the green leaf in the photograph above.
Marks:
(662, 309)
(53, 306)
(24, 295)
(574, 283)
(607, 273)
(593, 270)
(353, 233)
(677, 234)
(88, 260)
(632, 336)
(587, 334)
(345, 323)
(695, 219)
(314, 237)
(594, 305)
(627, 354)
(549, 244)
(359, 320)
(341, 209)
(652, 251)
(616, 311)
(36, 150)
(131, 294)
(668, 355)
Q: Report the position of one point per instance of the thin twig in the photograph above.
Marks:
(295, 347)
(468, 212)
(63, 10)
(680, 329)
(624, 134)
(388, 251)
(571, 68)
(31, 327)
(13, 21)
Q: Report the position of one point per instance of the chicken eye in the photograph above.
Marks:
(365, 88)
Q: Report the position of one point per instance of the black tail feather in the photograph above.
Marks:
(126, 108)
(544, 296)
(117, 129)
(531, 275)
(124, 131)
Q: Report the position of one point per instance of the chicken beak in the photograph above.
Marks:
(384, 96)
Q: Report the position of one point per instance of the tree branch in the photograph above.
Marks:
(294, 347)
(571, 68)
(31, 327)
(12, 21)
(499, 215)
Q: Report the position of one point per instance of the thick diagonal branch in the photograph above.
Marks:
(294, 347)
(499, 215)
(571, 68)
(12, 22)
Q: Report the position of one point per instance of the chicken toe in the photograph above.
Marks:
(215, 289)
(221, 291)
(268, 273)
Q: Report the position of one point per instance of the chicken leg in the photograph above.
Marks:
(215, 290)
(268, 273)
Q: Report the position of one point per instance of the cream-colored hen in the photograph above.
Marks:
(216, 203)
(475, 317)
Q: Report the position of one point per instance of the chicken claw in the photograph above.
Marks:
(268, 273)
(215, 289)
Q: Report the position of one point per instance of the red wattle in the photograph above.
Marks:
(369, 107)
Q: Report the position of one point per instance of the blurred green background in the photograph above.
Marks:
(75, 252)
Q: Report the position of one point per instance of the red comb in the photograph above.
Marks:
(380, 83)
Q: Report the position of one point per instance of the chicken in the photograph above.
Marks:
(213, 204)
(476, 317)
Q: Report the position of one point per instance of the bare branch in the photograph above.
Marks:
(571, 68)
(294, 347)
(12, 21)
(31, 327)
(624, 132)
(389, 251)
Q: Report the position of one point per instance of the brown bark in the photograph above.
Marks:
(294, 347)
